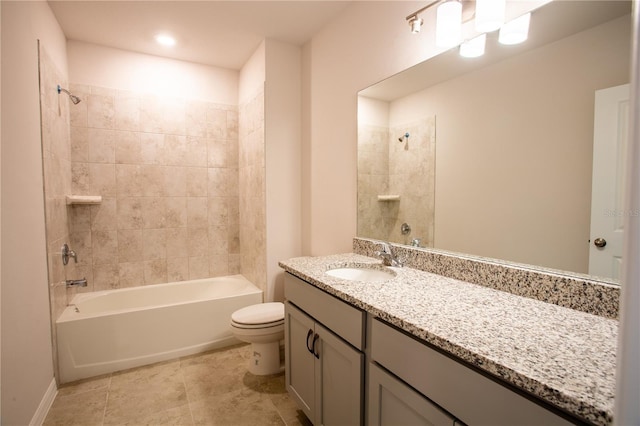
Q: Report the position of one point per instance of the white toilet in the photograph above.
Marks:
(262, 325)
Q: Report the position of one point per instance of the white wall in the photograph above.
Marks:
(27, 370)
(95, 65)
(283, 155)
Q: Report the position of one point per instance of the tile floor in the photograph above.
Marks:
(212, 388)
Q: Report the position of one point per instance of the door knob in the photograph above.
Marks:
(600, 242)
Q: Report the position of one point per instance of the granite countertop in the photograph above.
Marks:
(563, 356)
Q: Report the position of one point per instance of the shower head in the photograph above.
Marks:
(76, 100)
(404, 137)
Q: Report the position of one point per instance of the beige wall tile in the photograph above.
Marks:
(218, 240)
(130, 245)
(152, 148)
(155, 271)
(106, 277)
(154, 244)
(196, 118)
(198, 267)
(196, 181)
(127, 112)
(197, 216)
(177, 269)
(153, 212)
(128, 147)
(104, 247)
(79, 144)
(104, 215)
(102, 178)
(198, 242)
(219, 265)
(80, 180)
(100, 112)
(175, 181)
(175, 212)
(177, 242)
(131, 274)
(102, 145)
(218, 210)
(129, 211)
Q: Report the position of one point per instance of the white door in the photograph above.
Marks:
(610, 138)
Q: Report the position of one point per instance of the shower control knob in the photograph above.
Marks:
(600, 242)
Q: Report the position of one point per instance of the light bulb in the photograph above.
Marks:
(165, 40)
(474, 47)
(515, 31)
(449, 24)
(489, 15)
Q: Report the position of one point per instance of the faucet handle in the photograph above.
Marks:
(67, 253)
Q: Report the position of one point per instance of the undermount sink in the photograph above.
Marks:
(362, 273)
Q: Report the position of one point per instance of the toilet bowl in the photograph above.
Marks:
(262, 325)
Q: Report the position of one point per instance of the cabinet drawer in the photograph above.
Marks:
(470, 396)
(340, 317)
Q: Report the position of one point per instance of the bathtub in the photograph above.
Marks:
(112, 330)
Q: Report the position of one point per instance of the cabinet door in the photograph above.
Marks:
(392, 402)
(339, 381)
(299, 361)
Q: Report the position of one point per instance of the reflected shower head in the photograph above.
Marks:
(76, 100)
(404, 137)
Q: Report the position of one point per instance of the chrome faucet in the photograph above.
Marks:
(77, 283)
(67, 253)
(388, 258)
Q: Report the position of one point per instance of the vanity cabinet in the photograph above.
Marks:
(392, 402)
(468, 395)
(324, 362)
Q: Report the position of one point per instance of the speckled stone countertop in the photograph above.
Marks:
(563, 356)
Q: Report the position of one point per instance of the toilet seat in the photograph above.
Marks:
(263, 315)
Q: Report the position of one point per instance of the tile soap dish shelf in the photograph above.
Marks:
(388, 198)
(83, 199)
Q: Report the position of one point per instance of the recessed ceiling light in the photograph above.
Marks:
(165, 40)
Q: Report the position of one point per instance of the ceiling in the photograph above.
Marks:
(215, 32)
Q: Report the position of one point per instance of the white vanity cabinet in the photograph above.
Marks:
(324, 363)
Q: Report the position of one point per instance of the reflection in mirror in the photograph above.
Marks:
(511, 177)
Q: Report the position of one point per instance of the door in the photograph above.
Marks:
(299, 360)
(392, 402)
(610, 140)
(339, 375)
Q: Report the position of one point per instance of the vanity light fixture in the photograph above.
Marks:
(473, 48)
(516, 31)
(489, 15)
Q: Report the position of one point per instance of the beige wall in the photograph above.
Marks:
(27, 368)
(513, 163)
(368, 42)
(95, 65)
(251, 167)
(283, 156)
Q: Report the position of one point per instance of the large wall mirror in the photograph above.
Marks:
(494, 156)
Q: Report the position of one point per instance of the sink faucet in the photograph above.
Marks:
(388, 258)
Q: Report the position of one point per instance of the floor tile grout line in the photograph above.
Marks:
(186, 390)
(106, 402)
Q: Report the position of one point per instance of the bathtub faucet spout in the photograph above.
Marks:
(77, 283)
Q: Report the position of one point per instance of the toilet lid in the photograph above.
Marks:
(262, 313)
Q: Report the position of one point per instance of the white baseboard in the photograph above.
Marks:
(45, 404)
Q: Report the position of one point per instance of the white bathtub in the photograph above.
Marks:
(112, 330)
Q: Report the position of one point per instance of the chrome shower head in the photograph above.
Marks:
(404, 137)
(76, 100)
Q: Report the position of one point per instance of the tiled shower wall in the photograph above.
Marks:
(56, 160)
(387, 166)
(167, 171)
(252, 190)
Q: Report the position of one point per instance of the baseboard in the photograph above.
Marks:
(45, 404)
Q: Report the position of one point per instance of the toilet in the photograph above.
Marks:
(262, 325)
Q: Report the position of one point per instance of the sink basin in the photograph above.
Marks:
(361, 273)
